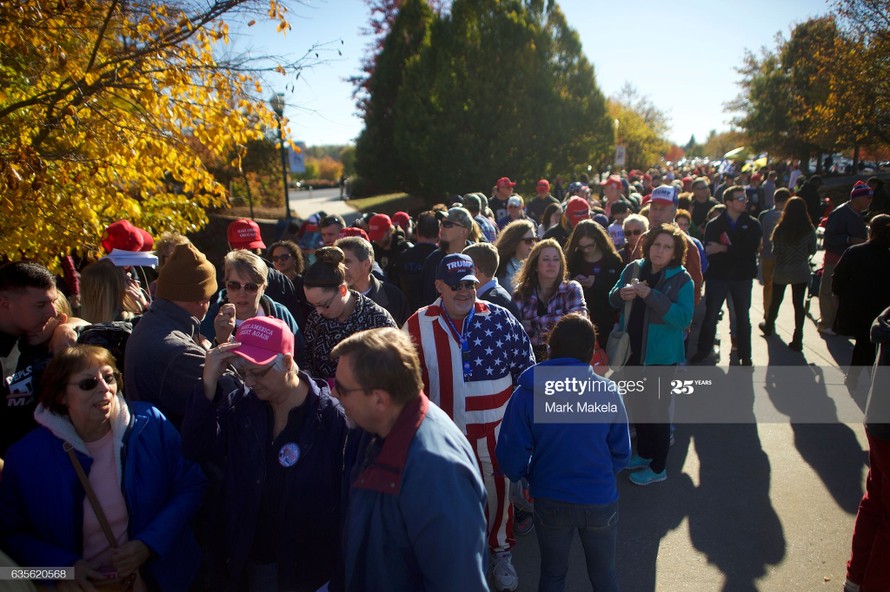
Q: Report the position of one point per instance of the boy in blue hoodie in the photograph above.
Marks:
(569, 456)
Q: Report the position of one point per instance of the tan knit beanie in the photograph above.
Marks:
(187, 276)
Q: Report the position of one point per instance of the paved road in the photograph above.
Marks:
(303, 203)
(747, 506)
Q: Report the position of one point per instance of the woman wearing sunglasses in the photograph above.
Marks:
(514, 244)
(145, 491)
(635, 226)
(544, 294)
(595, 264)
(244, 297)
(338, 311)
(279, 439)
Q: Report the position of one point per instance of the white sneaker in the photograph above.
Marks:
(503, 572)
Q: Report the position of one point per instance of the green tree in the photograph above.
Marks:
(513, 69)
(644, 147)
(376, 152)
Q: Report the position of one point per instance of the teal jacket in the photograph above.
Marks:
(668, 314)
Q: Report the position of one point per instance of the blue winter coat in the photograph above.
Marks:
(568, 462)
(236, 429)
(41, 498)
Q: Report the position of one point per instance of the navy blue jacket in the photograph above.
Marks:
(41, 498)
(236, 429)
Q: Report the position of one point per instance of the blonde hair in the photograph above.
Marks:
(102, 289)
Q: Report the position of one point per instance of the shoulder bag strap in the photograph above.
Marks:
(629, 304)
(91, 495)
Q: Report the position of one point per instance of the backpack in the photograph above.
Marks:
(112, 336)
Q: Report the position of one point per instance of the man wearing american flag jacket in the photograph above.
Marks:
(471, 354)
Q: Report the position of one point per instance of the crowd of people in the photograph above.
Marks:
(263, 423)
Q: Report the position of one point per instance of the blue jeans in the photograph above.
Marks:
(716, 293)
(597, 525)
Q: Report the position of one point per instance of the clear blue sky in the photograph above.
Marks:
(680, 54)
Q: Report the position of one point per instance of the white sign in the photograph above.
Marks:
(620, 154)
(295, 159)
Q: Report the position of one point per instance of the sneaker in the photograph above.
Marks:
(523, 522)
(825, 330)
(746, 362)
(766, 328)
(647, 477)
(795, 345)
(503, 572)
(638, 462)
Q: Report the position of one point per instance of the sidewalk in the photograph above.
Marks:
(746, 506)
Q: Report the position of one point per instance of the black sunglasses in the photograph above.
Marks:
(88, 384)
(283, 257)
(250, 288)
(467, 285)
(529, 240)
(450, 224)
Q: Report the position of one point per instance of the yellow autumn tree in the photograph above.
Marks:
(97, 101)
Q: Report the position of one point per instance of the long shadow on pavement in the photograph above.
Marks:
(829, 446)
(731, 519)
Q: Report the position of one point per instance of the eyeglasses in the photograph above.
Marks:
(250, 288)
(450, 224)
(281, 258)
(245, 373)
(338, 388)
(327, 304)
(468, 285)
(636, 232)
(529, 240)
(88, 384)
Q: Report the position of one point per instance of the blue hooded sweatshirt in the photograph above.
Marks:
(568, 462)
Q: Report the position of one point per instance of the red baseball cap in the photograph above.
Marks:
(126, 237)
(263, 338)
(612, 180)
(577, 209)
(378, 225)
(353, 231)
(544, 184)
(402, 219)
(505, 182)
(245, 234)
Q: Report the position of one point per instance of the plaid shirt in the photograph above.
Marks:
(568, 298)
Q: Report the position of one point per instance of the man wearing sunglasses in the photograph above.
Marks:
(455, 232)
(731, 243)
(472, 353)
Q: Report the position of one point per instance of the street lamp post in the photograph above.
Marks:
(277, 103)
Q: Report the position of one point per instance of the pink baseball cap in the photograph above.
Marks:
(245, 234)
(378, 225)
(263, 338)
